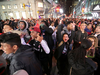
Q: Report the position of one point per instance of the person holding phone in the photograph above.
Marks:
(40, 48)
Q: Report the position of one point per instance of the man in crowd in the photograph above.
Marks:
(41, 48)
(23, 55)
(80, 34)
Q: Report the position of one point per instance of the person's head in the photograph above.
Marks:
(69, 25)
(80, 52)
(83, 25)
(35, 32)
(10, 42)
(89, 26)
(65, 37)
(52, 24)
(22, 25)
(94, 40)
(97, 30)
(45, 23)
(12, 19)
(7, 28)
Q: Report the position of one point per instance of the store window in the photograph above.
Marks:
(15, 6)
(40, 4)
(31, 13)
(21, 5)
(17, 15)
(9, 6)
(10, 14)
(3, 7)
(24, 15)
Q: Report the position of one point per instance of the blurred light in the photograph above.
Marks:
(57, 9)
(10, 14)
(61, 10)
(95, 14)
(40, 4)
(97, 7)
(83, 9)
(23, 14)
(56, 1)
(17, 14)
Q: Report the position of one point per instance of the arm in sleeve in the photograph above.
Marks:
(59, 37)
(45, 46)
(17, 65)
(48, 30)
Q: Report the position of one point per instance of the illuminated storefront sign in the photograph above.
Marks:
(97, 7)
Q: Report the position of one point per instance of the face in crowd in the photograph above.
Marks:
(65, 37)
(92, 40)
(34, 34)
(22, 25)
(7, 28)
(89, 26)
(70, 26)
(97, 30)
(11, 42)
(83, 26)
(7, 48)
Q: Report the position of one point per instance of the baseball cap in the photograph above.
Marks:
(36, 29)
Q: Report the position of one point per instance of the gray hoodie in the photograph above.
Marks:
(25, 29)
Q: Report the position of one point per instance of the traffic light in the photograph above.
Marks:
(23, 5)
(83, 9)
(57, 9)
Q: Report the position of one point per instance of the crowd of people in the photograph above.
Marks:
(28, 46)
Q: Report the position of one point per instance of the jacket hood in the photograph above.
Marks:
(25, 26)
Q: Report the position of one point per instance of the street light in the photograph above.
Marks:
(61, 11)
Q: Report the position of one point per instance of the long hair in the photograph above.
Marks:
(80, 52)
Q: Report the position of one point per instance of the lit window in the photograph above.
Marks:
(92, 3)
(9, 6)
(10, 14)
(21, 5)
(15, 6)
(40, 4)
(17, 15)
(3, 7)
(31, 13)
(23, 14)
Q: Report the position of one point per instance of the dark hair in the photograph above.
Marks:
(10, 38)
(69, 22)
(80, 52)
(64, 34)
(83, 22)
(46, 23)
(89, 24)
(9, 25)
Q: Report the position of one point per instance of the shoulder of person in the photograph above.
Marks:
(60, 43)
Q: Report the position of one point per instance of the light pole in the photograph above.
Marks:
(29, 8)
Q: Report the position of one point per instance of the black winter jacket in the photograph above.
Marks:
(25, 59)
(79, 68)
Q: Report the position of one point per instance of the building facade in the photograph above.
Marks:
(22, 8)
(87, 9)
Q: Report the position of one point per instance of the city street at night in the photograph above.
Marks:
(49, 37)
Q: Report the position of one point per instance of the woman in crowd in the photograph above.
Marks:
(80, 64)
(94, 52)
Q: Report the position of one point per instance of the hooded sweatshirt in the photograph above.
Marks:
(25, 30)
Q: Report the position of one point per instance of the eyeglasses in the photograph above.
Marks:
(21, 24)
